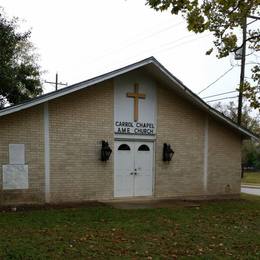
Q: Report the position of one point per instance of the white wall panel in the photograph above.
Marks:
(16, 154)
(15, 177)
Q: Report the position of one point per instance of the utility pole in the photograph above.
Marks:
(242, 74)
(56, 83)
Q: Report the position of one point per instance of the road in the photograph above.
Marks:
(253, 191)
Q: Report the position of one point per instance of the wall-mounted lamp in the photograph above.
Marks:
(105, 151)
(167, 152)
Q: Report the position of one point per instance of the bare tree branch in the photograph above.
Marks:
(248, 39)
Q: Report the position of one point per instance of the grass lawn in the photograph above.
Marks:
(251, 177)
(216, 230)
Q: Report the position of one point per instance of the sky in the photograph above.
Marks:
(83, 38)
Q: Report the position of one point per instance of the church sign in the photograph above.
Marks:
(136, 128)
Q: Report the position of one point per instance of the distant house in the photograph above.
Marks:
(165, 142)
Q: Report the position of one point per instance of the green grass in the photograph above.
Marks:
(251, 177)
(216, 230)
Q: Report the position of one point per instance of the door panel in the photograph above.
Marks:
(143, 180)
(124, 165)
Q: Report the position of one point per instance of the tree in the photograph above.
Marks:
(19, 73)
(221, 18)
(250, 148)
(248, 121)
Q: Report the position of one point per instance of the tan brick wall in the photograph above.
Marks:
(25, 127)
(224, 163)
(78, 123)
(182, 125)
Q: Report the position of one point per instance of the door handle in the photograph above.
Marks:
(134, 172)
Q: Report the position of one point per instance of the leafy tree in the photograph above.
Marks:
(251, 154)
(250, 149)
(19, 73)
(221, 18)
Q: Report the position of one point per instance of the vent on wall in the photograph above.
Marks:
(227, 188)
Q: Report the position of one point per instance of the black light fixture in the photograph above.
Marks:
(105, 151)
(167, 152)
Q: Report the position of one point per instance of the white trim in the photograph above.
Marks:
(206, 148)
(154, 168)
(46, 153)
(148, 138)
(114, 169)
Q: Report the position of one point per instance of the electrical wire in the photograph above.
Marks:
(251, 22)
(109, 52)
(123, 62)
(220, 77)
(222, 99)
(220, 94)
(183, 43)
(159, 50)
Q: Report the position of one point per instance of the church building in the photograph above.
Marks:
(136, 132)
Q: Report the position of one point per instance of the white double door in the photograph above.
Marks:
(133, 169)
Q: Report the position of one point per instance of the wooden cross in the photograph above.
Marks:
(136, 97)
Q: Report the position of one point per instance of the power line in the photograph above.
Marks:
(183, 43)
(220, 77)
(171, 42)
(109, 52)
(158, 32)
(128, 59)
(221, 99)
(252, 63)
(251, 22)
(159, 50)
(220, 94)
(165, 49)
(254, 17)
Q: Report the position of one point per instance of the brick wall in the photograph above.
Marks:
(182, 125)
(78, 123)
(224, 161)
(25, 127)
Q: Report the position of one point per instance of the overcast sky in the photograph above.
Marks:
(81, 39)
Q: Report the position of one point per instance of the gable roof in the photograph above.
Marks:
(153, 67)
